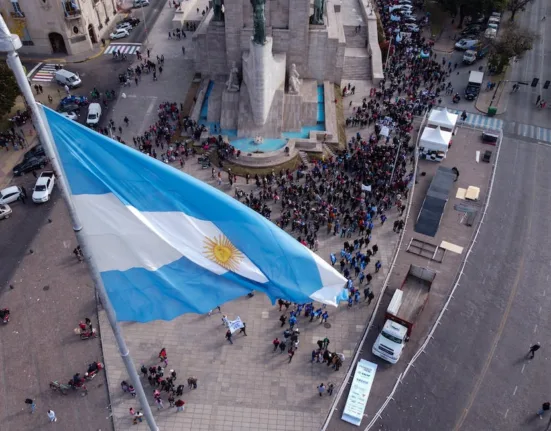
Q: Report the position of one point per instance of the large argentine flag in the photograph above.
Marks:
(167, 244)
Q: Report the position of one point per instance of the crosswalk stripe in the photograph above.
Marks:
(123, 48)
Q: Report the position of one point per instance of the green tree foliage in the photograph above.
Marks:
(472, 8)
(512, 42)
(8, 89)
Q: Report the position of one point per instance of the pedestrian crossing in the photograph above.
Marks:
(480, 121)
(122, 48)
(529, 131)
(526, 130)
(45, 73)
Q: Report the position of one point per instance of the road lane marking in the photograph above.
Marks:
(535, 328)
(523, 367)
(515, 391)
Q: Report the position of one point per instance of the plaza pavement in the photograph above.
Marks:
(244, 386)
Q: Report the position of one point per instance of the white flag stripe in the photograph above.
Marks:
(129, 236)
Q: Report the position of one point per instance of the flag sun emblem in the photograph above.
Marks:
(223, 252)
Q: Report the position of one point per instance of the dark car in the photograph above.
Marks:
(69, 107)
(37, 151)
(75, 100)
(30, 165)
(132, 21)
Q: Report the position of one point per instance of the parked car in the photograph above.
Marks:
(141, 3)
(471, 29)
(119, 34)
(70, 115)
(133, 21)
(29, 165)
(43, 187)
(37, 151)
(10, 194)
(69, 107)
(5, 211)
(124, 26)
(75, 100)
(464, 44)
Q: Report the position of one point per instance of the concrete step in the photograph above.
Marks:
(357, 68)
(355, 39)
(304, 157)
(329, 151)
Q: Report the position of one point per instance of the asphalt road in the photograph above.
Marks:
(473, 374)
(151, 12)
(534, 64)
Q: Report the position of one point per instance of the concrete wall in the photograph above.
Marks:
(370, 18)
(42, 18)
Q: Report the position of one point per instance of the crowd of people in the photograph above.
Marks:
(164, 384)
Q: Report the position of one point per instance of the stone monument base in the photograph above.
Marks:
(272, 127)
(263, 75)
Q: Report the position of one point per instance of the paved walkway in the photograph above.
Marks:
(244, 386)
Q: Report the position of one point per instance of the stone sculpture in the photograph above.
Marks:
(294, 80)
(317, 18)
(259, 35)
(232, 84)
(218, 14)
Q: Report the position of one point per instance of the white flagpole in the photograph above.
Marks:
(10, 43)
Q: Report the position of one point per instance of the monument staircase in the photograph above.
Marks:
(304, 157)
(357, 65)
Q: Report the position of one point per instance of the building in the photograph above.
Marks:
(48, 27)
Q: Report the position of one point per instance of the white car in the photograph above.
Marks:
(124, 26)
(5, 211)
(465, 44)
(119, 34)
(10, 194)
(69, 115)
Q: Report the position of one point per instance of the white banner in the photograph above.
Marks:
(236, 324)
(359, 392)
(366, 188)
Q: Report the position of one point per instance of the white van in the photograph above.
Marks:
(94, 114)
(64, 77)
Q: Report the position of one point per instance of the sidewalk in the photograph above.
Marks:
(11, 157)
(244, 386)
(67, 59)
(500, 100)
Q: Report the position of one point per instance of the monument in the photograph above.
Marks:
(262, 73)
(268, 70)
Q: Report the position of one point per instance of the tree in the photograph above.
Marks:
(473, 8)
(513, 42)
(516, 5)
(8, 89)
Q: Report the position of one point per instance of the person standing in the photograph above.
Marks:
(291, 354)
(67, 90)
(330, 389)
(179, 405)
(229, 336)
(321, 389)
(276, 343)
(52, 416)
(544, 407)
(243, 330)
(31, 404)
(533, 350)
(282, 346)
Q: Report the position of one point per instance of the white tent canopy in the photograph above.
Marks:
(435, 139)
(443, 118)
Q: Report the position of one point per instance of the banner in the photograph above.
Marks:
(236, 324)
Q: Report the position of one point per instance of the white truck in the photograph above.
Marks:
(405, 306)
(43, 187)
